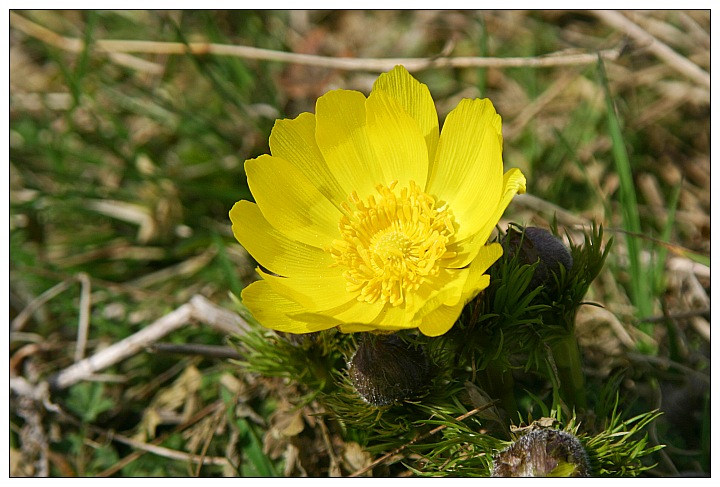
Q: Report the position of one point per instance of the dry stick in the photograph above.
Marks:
(664, 362)
(350, 64)
(84, 319)
(153, 447)
(186, 267)
(683, 264)
(334, 467)
(565, 217)
(532, 109)
(21, 319)
(221, 319)
(209, 409)
(681, 315)
(207, 351)
(218, 414)
(660, 49)
(169, 453)
(124, 288)
(122, 349)
(415, 440)
(198, 308)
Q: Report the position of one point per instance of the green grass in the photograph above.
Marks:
(125, 168)
(639, 273)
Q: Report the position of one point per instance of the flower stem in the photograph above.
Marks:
(499, 384)
(569, 370)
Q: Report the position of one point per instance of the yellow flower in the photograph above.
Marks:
(369, 219)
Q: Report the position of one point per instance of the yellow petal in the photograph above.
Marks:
(467, 172)
(440, 313)
(416, 100)
(294, 141)
(395, 318)
(321, 290)
(465, 251)
(356, 328)
(341, 135)
(486, 256)
(271, 248)
(513, 183)
(439, 320)
(274, 311)
(450, 294)
(291, 203)
(396, 140)
(350, 313)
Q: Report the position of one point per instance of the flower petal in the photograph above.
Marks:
(466, 250)
(351, 313)
(439, 320)
(396, 318)
(486, 257)
(276, 312)
(397, 141)
(467, 172)
(321, 290)
(513, 183)
(341, 135)
(440, 314)
(271, 248)
(356, 328)
(294, 141)
(417, 102)
(442, 317)
(291, 203)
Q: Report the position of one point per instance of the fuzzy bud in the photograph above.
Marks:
(384, 369)
(535, 244)
(543, 453)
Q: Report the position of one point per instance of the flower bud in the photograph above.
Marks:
(535, 244)
(384, 369)
(543, 453)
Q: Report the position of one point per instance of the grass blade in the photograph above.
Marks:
(639, 290)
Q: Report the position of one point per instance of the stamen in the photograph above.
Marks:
(391, 243)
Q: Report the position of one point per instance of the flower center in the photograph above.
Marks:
(392, 243)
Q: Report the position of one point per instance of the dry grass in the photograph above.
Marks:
(126, 153)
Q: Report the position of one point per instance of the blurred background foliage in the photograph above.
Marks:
(124, 165)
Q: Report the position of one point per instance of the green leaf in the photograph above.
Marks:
(86, 400)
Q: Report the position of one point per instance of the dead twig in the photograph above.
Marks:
(199, 308)
(668, 364)
(681, 315)
(21, 319)
(208, 351)
(675, 263)
(210, 409)
(84, 319)
(533, 109)
(168, 452)
(349, 64)
(565, 217)
(122, 349)
(680, 63)
(217, 416)
(221, 319)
